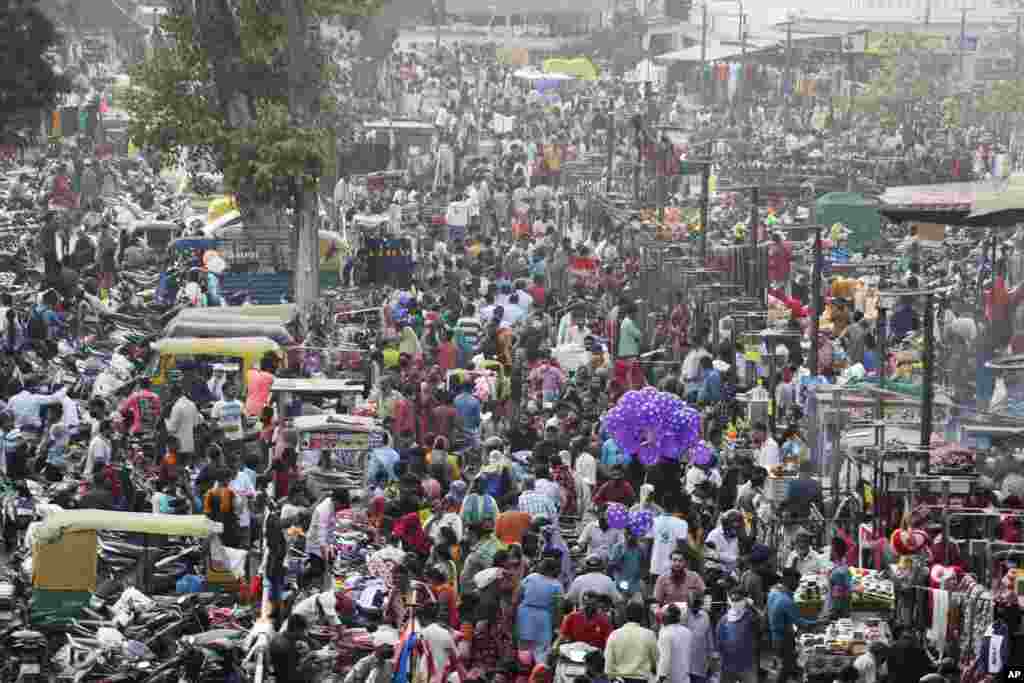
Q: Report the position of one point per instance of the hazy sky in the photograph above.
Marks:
(765, 12)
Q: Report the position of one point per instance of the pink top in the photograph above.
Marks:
(259, 383)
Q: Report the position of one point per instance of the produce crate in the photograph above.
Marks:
(221, 582)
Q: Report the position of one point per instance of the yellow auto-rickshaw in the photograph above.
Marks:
(188, 352)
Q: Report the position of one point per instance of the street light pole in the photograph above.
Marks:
(704, 53)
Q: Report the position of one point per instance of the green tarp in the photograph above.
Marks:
(859, 215)
(54, 608)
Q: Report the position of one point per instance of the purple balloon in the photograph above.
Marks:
(702, 453)
(652, 425)
(640, 522)
(618, 517)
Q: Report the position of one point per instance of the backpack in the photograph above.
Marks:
(37, 328)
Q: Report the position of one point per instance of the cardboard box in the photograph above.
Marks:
(930, 232)
(67, 565)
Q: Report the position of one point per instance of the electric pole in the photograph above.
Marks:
(704, 53)
(1016, 46)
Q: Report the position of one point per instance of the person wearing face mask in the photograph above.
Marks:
(703, 643)
(595, 581)
(598, 538)
(783, 620)
(737, 637)
(725, 536)
(675, 644)
(804, 558)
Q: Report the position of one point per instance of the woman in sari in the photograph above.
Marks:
(495, 615)
(562, 474)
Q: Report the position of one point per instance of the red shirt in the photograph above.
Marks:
(615, 491)
(538, 294)
(576, 628)
(779, 258)
(410, 530)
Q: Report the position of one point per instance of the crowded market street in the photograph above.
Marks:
(457, 358)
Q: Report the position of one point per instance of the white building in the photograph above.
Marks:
(930, 10)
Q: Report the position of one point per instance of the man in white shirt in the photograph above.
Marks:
(99, 450)
(804, 558)
(182, 423)
(768, 454)
(632, 650)
(725, 536)
(228, 414)
(439, 640)
(598, 538)
(668, 530)
(675, 643)
(321, 535)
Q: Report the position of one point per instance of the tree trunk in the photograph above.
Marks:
(218, 33)
(303, 82)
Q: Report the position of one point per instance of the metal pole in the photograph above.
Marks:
(787, 85)
(963, 38)
(755, 260)
(611, 151)
(815, 301)
(704, 54)
(705, 204)
(660, 170)
(928, 394)
(1016, 46)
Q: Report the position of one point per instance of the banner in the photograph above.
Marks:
(586, 271)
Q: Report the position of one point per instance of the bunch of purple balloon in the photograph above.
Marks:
(653, 425)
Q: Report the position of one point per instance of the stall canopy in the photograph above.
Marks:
(986, 203)
(580, 67)
(858, 214)
(715, 52)
(534, 75)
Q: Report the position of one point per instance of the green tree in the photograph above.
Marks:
(1005, 97)
(223, 85)
(29, 83)
(908, 75)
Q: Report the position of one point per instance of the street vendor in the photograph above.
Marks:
(805, 559)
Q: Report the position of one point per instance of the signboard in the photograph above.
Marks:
(347, 448)
(994, 68)
(876, 43)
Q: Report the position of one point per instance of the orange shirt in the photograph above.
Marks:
(511, 526)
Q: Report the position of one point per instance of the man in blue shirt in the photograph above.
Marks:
(381, 466)
(783, 620)
(467, 411)
(711, 388)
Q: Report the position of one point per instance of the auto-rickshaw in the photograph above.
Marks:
(227, 325)
(157, 235)
(347, 441)
(64, 556)
(283, 313)
(189, 352)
